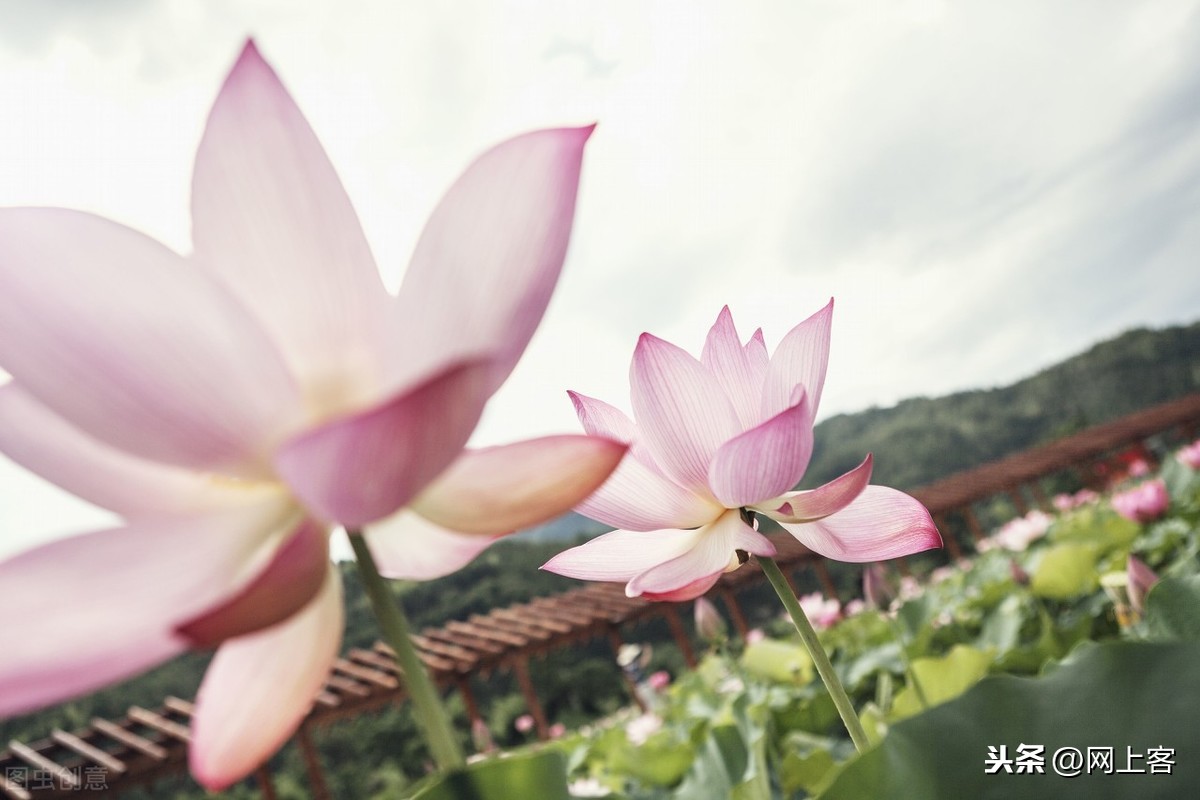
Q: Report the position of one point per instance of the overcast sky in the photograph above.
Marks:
(984, 187)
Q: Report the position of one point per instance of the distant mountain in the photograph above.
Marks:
(565, 528)
(922, 439)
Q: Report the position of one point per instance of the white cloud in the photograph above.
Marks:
(984, 187)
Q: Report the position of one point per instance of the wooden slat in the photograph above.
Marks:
(582, 617)
(496, 634)
(38, 761)
(180, 706)
(130, 739)
(159, 723)
(465, 640)
(434, 662)
(347, 686)
(505, 619)
(90, 752)
(524, 616)
(372, 676)
(462, 655)
(385, 663)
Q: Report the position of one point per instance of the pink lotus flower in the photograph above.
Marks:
(1066, 502)
(710, 626)
(235, 404)
(716, 436)
(1140, 580)
(1143, 503)
(523, 723)
(659, 680)
(820, 610)
(1190, 456)
(1017, 534)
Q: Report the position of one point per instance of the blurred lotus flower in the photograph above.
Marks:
(1019, 533)
(1066, 502)
(877, 591)
(557, 730)
(755, 635)
(855, 606)
(588, 787)
(821, 611)
(235, 404)
(709, 624)
(524, 723)
(944, 573)
(1140, 579)
(714, 438)
(1143, 503)
(641, 728)
(1128, 590)
(1190, 456)
(659, 680)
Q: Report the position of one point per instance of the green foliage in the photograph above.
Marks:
(1118, 694)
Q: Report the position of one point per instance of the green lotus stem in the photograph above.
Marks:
(431, 714)
(809, 636)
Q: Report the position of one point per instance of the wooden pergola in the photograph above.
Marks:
(148, 744)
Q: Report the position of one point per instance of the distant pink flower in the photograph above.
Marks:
(1140, 579)
(641, 728)
(729, 432)
(1019, 533)
(557, 730)
(1066, 502)
(524, 723)
(943, 573)
(877, 589)
(236, 404)
(1190, 456)
(659, 680)
(755, 635)
(821, 611)
(855, 606)
(709, 624)
(1143, 503)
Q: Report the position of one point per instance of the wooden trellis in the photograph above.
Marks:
(148, 744)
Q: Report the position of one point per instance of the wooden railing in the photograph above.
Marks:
(146, 745)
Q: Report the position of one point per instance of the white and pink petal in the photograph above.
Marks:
(714, 551)
(813, 504)
(271, 220)
(107, 604)
(502, 489)
(170, 367)
(363, 467)
(682, 413)
(801, 359)
(764, 461)
(490, 254)
(46, 444)
(407, 546)
(880, 524)
(259, 688)
(729, 363)
(620, 555)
